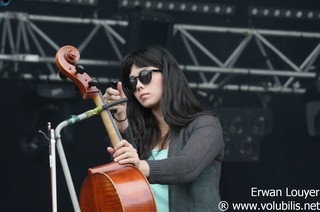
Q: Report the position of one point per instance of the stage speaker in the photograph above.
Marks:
(243, 129)
(148, 28)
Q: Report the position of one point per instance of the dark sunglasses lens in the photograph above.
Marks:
(132, 84)
(145, 76)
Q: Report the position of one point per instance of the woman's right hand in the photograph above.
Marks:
(111, 95)
(125, 153)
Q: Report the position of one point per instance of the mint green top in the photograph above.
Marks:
(160, 191)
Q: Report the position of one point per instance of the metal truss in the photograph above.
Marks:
(27, 38)
(24, 41)
(225, 72)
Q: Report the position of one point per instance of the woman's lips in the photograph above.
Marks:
(143, 95)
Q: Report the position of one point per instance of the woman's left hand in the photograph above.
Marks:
(124, 153)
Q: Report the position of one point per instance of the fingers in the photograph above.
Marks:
(110, 150)
(123, 144)
(127, 157)
(125, 153)
(111, 95)
(120, 89)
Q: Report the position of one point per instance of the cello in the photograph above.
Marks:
(112, 186)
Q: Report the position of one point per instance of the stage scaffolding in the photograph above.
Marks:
(25, 39)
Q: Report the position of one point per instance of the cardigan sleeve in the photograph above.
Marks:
(190, 155)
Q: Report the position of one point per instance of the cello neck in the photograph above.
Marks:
(107, 119)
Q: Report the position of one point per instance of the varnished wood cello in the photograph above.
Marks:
(109, 187)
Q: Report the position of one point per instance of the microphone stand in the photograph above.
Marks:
(63, 160)
(52, 162)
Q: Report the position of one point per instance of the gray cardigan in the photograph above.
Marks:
(192, 169)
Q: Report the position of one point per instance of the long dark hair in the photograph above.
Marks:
(178, 104)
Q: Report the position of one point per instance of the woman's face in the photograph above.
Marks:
(149, 95)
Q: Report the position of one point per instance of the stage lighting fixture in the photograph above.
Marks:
(78, 2)
(159, 5)
(178, 6)
(286, 13)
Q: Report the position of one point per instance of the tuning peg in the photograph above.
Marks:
(62, 76)
(93, 82)
(80, 69)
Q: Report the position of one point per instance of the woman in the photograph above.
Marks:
(168, 137)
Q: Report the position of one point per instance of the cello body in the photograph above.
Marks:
(115, 187)
(110, 187)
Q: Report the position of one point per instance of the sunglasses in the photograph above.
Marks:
(144, 77)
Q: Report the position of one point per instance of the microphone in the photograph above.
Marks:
(4, 3)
